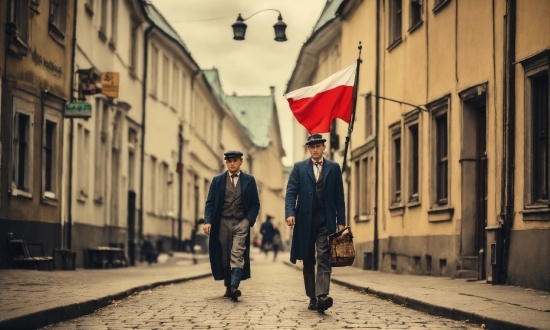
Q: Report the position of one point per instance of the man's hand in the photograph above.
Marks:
(290, 221)
(341, 227)
(206, 228)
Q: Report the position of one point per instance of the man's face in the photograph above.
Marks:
(233, 164)
(316, 150)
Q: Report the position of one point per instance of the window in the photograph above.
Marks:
(134, 31)
(102, 125)
(132, 147)
(154, 71)
(175, 87)
(50, 146)
(103, 21)
(165, 78)
(537, 105)
(396, 13)
(415, 13)
(83, 136)
(19, 16)
(114, 26)
(396, 165)
(22, 150)
(153, 185)
(414, 165)
(442, 170)
(364, 175)
(368, 116)
(58, 19)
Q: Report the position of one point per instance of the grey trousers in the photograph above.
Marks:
(232, 237)
(318, 253)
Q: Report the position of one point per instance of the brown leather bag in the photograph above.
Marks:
(342, 252)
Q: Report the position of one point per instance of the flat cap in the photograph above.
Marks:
(232, 154)
(314, 139)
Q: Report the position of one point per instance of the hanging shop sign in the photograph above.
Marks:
(109, 84)
(78, 110)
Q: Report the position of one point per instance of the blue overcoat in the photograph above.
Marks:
(300, 191)
(213, 209)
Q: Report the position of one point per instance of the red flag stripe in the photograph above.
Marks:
(316, 107)
(317, 113)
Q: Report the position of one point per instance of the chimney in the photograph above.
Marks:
(272, 90)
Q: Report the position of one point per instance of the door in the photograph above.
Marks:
(481, 184)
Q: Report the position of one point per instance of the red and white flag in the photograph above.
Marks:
(315, 107)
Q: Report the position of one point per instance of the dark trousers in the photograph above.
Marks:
(317, 283)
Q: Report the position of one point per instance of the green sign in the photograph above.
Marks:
(78, 110)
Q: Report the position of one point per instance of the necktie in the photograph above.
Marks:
(234, 181)
(318, 169)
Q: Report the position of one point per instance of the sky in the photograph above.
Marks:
(250, 66)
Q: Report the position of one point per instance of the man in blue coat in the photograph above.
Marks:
(231, 209)
(314, 205)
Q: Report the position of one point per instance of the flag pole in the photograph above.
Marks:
(353, 106)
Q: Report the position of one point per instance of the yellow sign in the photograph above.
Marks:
(109, 84)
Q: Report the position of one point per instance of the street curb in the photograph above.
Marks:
(63, 313)
(449, 313)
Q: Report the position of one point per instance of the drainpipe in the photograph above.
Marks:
(377, 139)
(71, 138)
(502, 236)
(180, 186)
(143, 117)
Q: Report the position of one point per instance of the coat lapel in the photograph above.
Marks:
(326, 169)
(309, 169)
(244, 182)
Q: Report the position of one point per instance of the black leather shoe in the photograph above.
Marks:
(227, 293)
(312, 304)
(324, 303)
(235, 294)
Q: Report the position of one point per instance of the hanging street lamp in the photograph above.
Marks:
(239, 27)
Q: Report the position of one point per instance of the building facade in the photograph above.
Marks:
(449, 174)
(37, 53)
(102, 153)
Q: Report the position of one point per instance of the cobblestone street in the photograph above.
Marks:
(272, 299)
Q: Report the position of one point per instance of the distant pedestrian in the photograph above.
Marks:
(231, 209)
(277, 242)
(314, 205)
(267, 235)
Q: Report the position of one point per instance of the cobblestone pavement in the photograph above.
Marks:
(272, 299)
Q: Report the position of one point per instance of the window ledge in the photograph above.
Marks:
(18, 47)
(50, 201)
(112, 45)
(441, 5)
(133, 74)
(56, 34)
(394, 44)
(102, 35)
(536, 214)
(89, 9)
(362, 218)
(415, 26)
(98, 200)
(414, 204)
(440, 214)
(397, 210)
(21, 193)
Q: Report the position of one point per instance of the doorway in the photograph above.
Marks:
(474, 183)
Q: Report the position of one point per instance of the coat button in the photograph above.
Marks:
(310, 192)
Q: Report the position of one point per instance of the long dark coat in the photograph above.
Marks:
(300, 191)
(212, 211)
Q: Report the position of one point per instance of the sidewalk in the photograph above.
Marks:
(494, 306)
(33, 299)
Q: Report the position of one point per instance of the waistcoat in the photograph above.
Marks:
(320, 192)
(232, 204)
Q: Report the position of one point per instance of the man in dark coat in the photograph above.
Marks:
(267, 234)
(231, 209)
(314, 205)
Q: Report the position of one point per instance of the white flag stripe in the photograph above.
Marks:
(344, 77)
